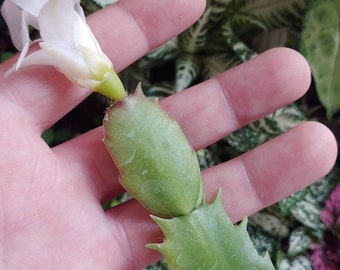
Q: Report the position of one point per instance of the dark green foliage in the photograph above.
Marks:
(320, 43)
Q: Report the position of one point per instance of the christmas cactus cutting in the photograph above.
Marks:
(157, 165)
(71, 46)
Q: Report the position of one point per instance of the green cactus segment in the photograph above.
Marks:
(157, 165)
(207, 239)
(159, 168)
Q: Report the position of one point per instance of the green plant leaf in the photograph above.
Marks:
(89, 6)
(103, 3)
(267, 229)
(247, 19)
(309, 215)
(206, 158)
(262, 241)
(160, 90)
(299, 241)
(161, 265)
(265, 129)
(305, 205)
(280, 37)
(320, 43)
(167, 51)
(194, 39)
(188, 68)
(5, 55)
(218, 8)
(315, 194)
(274, 14)
(240, 48)
(269, 223)
(300, 262)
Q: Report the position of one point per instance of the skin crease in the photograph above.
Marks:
(50, 211)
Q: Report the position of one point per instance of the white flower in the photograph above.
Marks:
(66, 41)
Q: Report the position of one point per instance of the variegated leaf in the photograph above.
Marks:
(265, 129)
(309, 215)
(306, 204)
(206, 159)
(165, 52)
(280, 37)
(320, 190)
(274, 14)
(314, 194)
(287, 204)
(90, 6)
(249, 19)
(240, 48)
(296, 263)
(104, 3)
(194, 39)
(159, 90)
(270, 224)
(218, 8)
(188, 68)
(262, 241)
(299, 241)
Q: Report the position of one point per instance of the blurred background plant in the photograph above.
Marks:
(303, 230)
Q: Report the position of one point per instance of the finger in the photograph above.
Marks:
(249, 183)
(273, 170)
(143, 25)
(139, 26)
(241, 95)
(209, 111)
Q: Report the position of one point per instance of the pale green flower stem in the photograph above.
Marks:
(112, 87)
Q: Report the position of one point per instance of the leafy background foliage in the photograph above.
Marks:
(303, 230)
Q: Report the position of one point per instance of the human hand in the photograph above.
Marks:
(50, 199)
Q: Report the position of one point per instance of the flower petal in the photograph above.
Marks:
(66, 60)
(67, 42)
(98, 64)
(14, 18)
(56, 21)
(32, 7)
(83, 36)
(79, 9)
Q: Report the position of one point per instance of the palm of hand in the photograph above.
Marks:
(49, 217)
(50, 199)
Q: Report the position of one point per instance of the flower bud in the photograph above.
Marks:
(66, 42)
